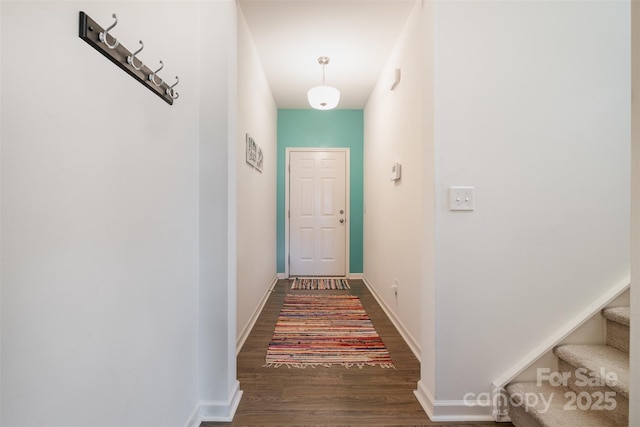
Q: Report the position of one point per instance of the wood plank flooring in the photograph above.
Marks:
(336, 396)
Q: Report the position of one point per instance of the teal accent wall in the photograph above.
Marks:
(325, 129)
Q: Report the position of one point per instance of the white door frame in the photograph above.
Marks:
(347, 218)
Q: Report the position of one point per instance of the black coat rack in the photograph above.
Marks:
(106, 44)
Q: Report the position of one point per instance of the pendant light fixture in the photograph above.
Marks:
(323, 97)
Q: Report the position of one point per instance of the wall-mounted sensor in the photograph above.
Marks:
(396, 80)
(396, 171)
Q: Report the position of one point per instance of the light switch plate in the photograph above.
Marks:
(461, 198)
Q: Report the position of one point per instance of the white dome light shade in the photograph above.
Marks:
(323, 97)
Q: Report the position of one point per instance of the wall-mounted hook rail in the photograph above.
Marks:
(105, 43)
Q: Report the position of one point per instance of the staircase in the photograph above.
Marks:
(590, 388)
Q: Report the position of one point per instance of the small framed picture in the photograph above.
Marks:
(252, 151)
(259, 160)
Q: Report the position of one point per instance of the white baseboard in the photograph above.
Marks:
(218, 411)
(411, 342)
(281, 276)
(425, 399)
(242, 338)
(452, 410)
(194, 419)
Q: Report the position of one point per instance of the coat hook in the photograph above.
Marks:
(131, 57)
(171, 92)
(103, 35)
(152, 76)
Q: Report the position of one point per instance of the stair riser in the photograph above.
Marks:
(520, 417)
(618, 336)
(543, 404)
(595, 394)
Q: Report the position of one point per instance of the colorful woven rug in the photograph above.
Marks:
(325, 330)
(319, 283)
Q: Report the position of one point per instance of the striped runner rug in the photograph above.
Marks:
(320, 283)
(325, 330)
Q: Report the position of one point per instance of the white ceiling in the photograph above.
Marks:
(358, 36)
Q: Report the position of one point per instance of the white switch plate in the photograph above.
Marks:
(461, 198)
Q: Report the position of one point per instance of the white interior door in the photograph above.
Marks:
(317, 213)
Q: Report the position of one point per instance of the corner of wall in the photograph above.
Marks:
(217, 373)
(471, 409)
(244, 333)
(256, 190)
(413, 344)
(216, 411)
(194, 419)
(634, 397)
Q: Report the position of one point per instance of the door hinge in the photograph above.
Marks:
(289, 213)
(289, 259)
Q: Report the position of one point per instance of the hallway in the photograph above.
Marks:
(328, 396)
(137, 241)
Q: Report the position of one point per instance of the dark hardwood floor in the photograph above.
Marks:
(336, 396)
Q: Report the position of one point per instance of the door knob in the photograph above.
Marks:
(341, 220)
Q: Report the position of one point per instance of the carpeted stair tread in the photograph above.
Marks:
(617, 314)
(617, 327)
(556, 414)
(596, 357)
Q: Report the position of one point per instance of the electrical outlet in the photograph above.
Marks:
(461, 198)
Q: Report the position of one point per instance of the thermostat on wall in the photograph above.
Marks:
(396, 169)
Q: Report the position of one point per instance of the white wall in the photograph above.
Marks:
(257, 116)
(400, 218)
(219, 392)
(532, 109)
(102, 218)
(393, 218)
(634, 396)
(428, 275)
